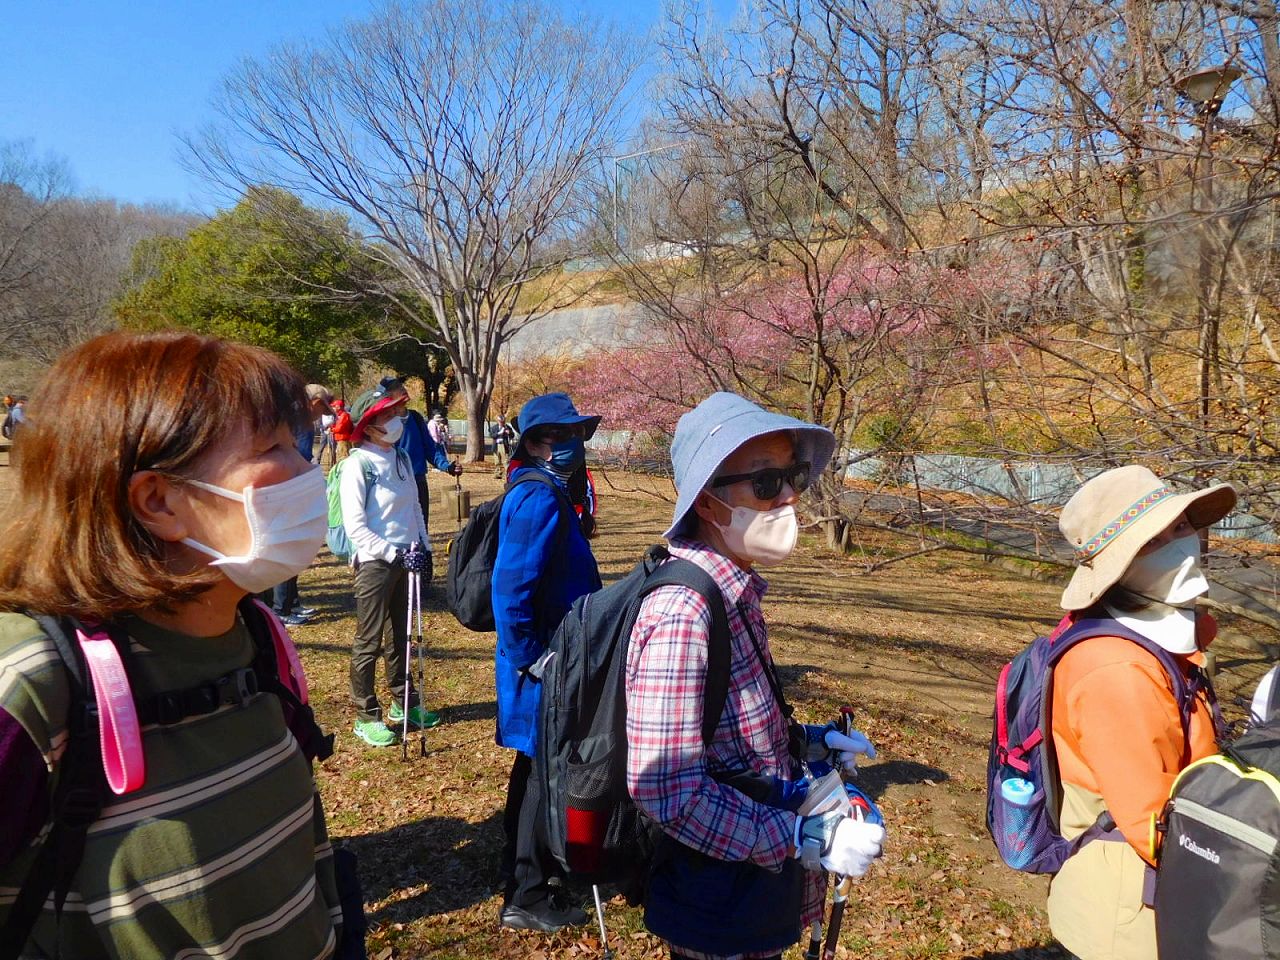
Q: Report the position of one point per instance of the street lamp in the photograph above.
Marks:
(1208, 88)
(617, 162)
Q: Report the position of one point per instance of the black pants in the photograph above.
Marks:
(381, 598)
(424, 499)
(526, 863)
(681, 956)
(285, 597)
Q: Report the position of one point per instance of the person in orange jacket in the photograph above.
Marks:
(1118, 732)
(341, 429)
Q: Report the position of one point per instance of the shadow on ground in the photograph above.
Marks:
(875, 778)
(427, 867)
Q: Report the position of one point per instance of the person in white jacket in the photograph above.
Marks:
(383, 519)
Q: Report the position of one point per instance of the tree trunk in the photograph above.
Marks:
(476, 396)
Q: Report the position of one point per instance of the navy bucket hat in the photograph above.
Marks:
(719, 425)
(554, 408)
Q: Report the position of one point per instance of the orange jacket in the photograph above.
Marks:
(1117, 732)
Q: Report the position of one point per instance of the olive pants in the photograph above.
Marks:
(382, 599)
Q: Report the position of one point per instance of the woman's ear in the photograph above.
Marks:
(708, 508)
(151, 498)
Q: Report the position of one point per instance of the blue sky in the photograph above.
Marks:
(108, 84)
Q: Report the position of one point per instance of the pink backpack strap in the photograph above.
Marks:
(288, 663)
(118, 730)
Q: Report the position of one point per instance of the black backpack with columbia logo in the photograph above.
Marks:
(1218, 887)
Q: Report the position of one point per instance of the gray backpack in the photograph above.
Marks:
(1218, 886)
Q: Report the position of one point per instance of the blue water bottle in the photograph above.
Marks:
(1016, 793)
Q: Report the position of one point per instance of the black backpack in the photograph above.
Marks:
(1218, 886)
(81, 788)
(474, 551)
(581, 764)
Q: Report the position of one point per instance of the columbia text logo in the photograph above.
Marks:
(1188, 844)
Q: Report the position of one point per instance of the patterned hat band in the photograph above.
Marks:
(1090, 548)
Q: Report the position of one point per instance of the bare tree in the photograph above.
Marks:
(62, 257)
(458, 135)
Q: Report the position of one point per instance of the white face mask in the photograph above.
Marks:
(1170, 574)
(766, 537)
(391, 430)
(287, 524)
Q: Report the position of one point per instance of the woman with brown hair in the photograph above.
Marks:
(183, 495)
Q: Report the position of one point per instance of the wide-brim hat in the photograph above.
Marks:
(719, 425)
(371, 403)
(555, 409)
(1114, 515)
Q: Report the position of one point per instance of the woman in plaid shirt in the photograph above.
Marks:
(729, 885)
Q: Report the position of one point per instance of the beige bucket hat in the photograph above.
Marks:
(1114, 515)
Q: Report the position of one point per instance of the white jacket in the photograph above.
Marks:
(385, 515)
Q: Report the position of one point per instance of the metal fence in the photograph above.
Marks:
(1041, 484)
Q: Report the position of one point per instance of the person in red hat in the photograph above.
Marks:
(383, 519)
(341, 430)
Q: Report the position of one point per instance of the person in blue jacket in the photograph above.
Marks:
(544, 563)
(417, 444)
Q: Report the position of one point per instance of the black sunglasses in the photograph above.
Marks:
(555, 432)
(767, 483)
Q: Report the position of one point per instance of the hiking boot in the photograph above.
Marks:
(376, 733)
(419, 719)
(544, 918)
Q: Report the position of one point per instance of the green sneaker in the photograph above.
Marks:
(419, 719)
(376, 733)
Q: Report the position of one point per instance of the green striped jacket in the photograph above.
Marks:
(222, 853)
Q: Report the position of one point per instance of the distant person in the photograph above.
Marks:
(285, 600)
(183, 495)
(537, 575)
(341, 431)
(1119, 735)
(326, 438)
(383, 519)
(439, 429)
(503, 437)
(16, 417)
(416, 441)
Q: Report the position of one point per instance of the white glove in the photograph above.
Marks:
(847, 749)
(853, 847)
(838, 843)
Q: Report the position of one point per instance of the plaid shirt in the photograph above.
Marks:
(668, 767)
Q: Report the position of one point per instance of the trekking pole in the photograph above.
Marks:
(414, 564)
(422, 660)
(408, 661)
(604, 939)
(843, 884)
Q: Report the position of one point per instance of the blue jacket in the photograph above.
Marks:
(417, 443)
(305, 440)
(537, 575)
